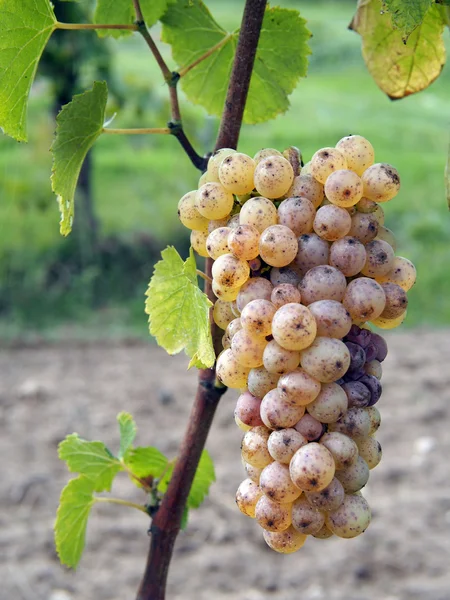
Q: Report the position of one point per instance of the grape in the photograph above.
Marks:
(385, 234)
(374, 419)
(354, 477)
(384, 323)
(241, 425)
(247, 496)
(351, 519)
(260, 381)
(256, 317)
(322, 283)
(284, 293)
(284, 275)
(248, 349)
(271, 515)
(357, 356)
(344, 188)
(332, 222)
(355, 423)
(364, 227)
(330, 405)
(343, 449)
(370, 450)
(276, 483)
(293, 327)
(247, 409)
(189, 215)
(364, 299)
(328, 499)
(379, 260)
(362, 337)
(215, 162)
(216, 223)
(325, 161)
(298, 388)
(358, 152)
(198, 242)
(278, 246)
(312, 467)
(284, 443)
(310, 428)
(285, 542)
(366, 206)
(403, 273)
(214, 201)
(276, 413)
(259, 212)
(217, 242)
(273, 176)
(327, 359)
(204, 178)
(305, 518)
(256, 288)
(233, 222)
(312, 252)
(305, 186)
(306, 169)
(374, 368)
(230, 372)
(243, 242)
(358, 395)
(224, 293)
(277, 359)
(381, 182)
(253, 473)
(233, 327)
(378, 213)
(236, 173)
(396, 301)
(222, 314)
(298, 214)
(229, 271)
(348, 255)
(265, 153)
(255, 265)
(254, 447)
(332, 318)
(323, 534)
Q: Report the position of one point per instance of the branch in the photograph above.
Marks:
(166, 522)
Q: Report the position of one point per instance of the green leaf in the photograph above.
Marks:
(400, 69)
(447, 178)
(75, 504)
(91, 459)
(184, 518)
(25, 28)
(406, 15)
(204, 476)
(178, 310)
(146, 461)
(128, 429)
(281, 58)
(121, 12)
(79, 124)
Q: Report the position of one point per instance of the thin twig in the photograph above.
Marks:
(122, 502)
(182, 72)
(204, 276)
(131, 27)
(140, 131)
(142, 28)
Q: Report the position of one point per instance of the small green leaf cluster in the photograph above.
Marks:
(96, 467)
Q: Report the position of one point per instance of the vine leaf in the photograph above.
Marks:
(400, 69)
(25, 28)
(447, 178)
(281, 58)
(146, 461)
(91, 459)
(121, 12)
(178, 310)
(406, 16)
(128, 429)
(79, 124)
(204, 477)
(75, 505)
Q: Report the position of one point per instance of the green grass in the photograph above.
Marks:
(138, 182)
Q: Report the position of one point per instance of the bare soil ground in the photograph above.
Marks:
(47, 392)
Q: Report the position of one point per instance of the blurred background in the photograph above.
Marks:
(93, 282)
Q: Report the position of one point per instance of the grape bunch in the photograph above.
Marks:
(303, 266)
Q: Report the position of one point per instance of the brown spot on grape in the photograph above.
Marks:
(314, 482)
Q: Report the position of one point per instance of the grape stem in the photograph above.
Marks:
(167, 520)
(171, 78)
(204, 276)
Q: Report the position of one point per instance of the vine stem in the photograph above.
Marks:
(167, 520)
(58, 25)
(204, 276)
(122, 502)
(141, 131)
